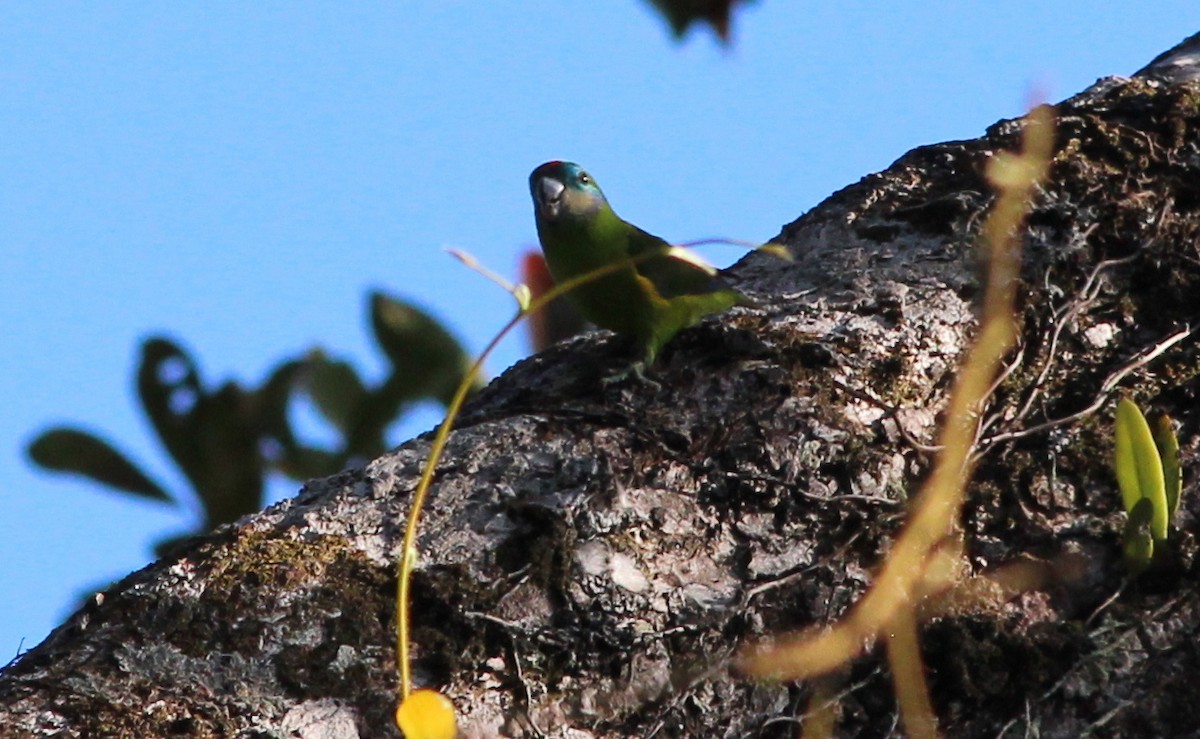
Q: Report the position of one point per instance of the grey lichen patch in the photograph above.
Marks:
(321, 719)
(245, 685)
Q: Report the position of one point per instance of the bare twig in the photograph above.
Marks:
(1110, 383)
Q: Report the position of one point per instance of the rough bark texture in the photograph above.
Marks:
(593, 555)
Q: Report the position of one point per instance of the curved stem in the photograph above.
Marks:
(408, 554)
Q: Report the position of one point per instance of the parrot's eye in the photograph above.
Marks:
(584, 178)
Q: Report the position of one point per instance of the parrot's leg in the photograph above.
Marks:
(637, 370)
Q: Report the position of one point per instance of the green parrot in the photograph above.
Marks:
(662, 290)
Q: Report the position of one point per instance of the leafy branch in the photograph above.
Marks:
(226, 439)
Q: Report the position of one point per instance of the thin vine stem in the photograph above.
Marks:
(408, 553)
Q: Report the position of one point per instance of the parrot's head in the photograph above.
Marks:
(563, 190)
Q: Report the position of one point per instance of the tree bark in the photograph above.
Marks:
(593, 555)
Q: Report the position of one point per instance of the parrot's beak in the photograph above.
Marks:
(550, 193)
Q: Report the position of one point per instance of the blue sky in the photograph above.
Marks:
(240, 174)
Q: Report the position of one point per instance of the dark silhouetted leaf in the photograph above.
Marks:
(682, 13)
(232, 485)
(78, 452)
(366, 436)
(427, 362)
(213, 437)
(172, 544)
(269, 404)
(335, 389)
(169, 387)
(305, 463)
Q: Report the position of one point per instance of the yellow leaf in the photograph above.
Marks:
(777, 250)
(523, 295)
(691, 257)
(427, 714)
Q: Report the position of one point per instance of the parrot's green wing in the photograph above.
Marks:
(672, 270)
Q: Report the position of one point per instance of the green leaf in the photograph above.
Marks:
(78, 452)
(305, 463)
(335, 389)
(172, 545)
(427, 361)
(229, 438)
(213, 437)
(169, 387)
(1168, 449)
(1138, 466)
(383, 405)
(269, 404)
(1137, 544)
